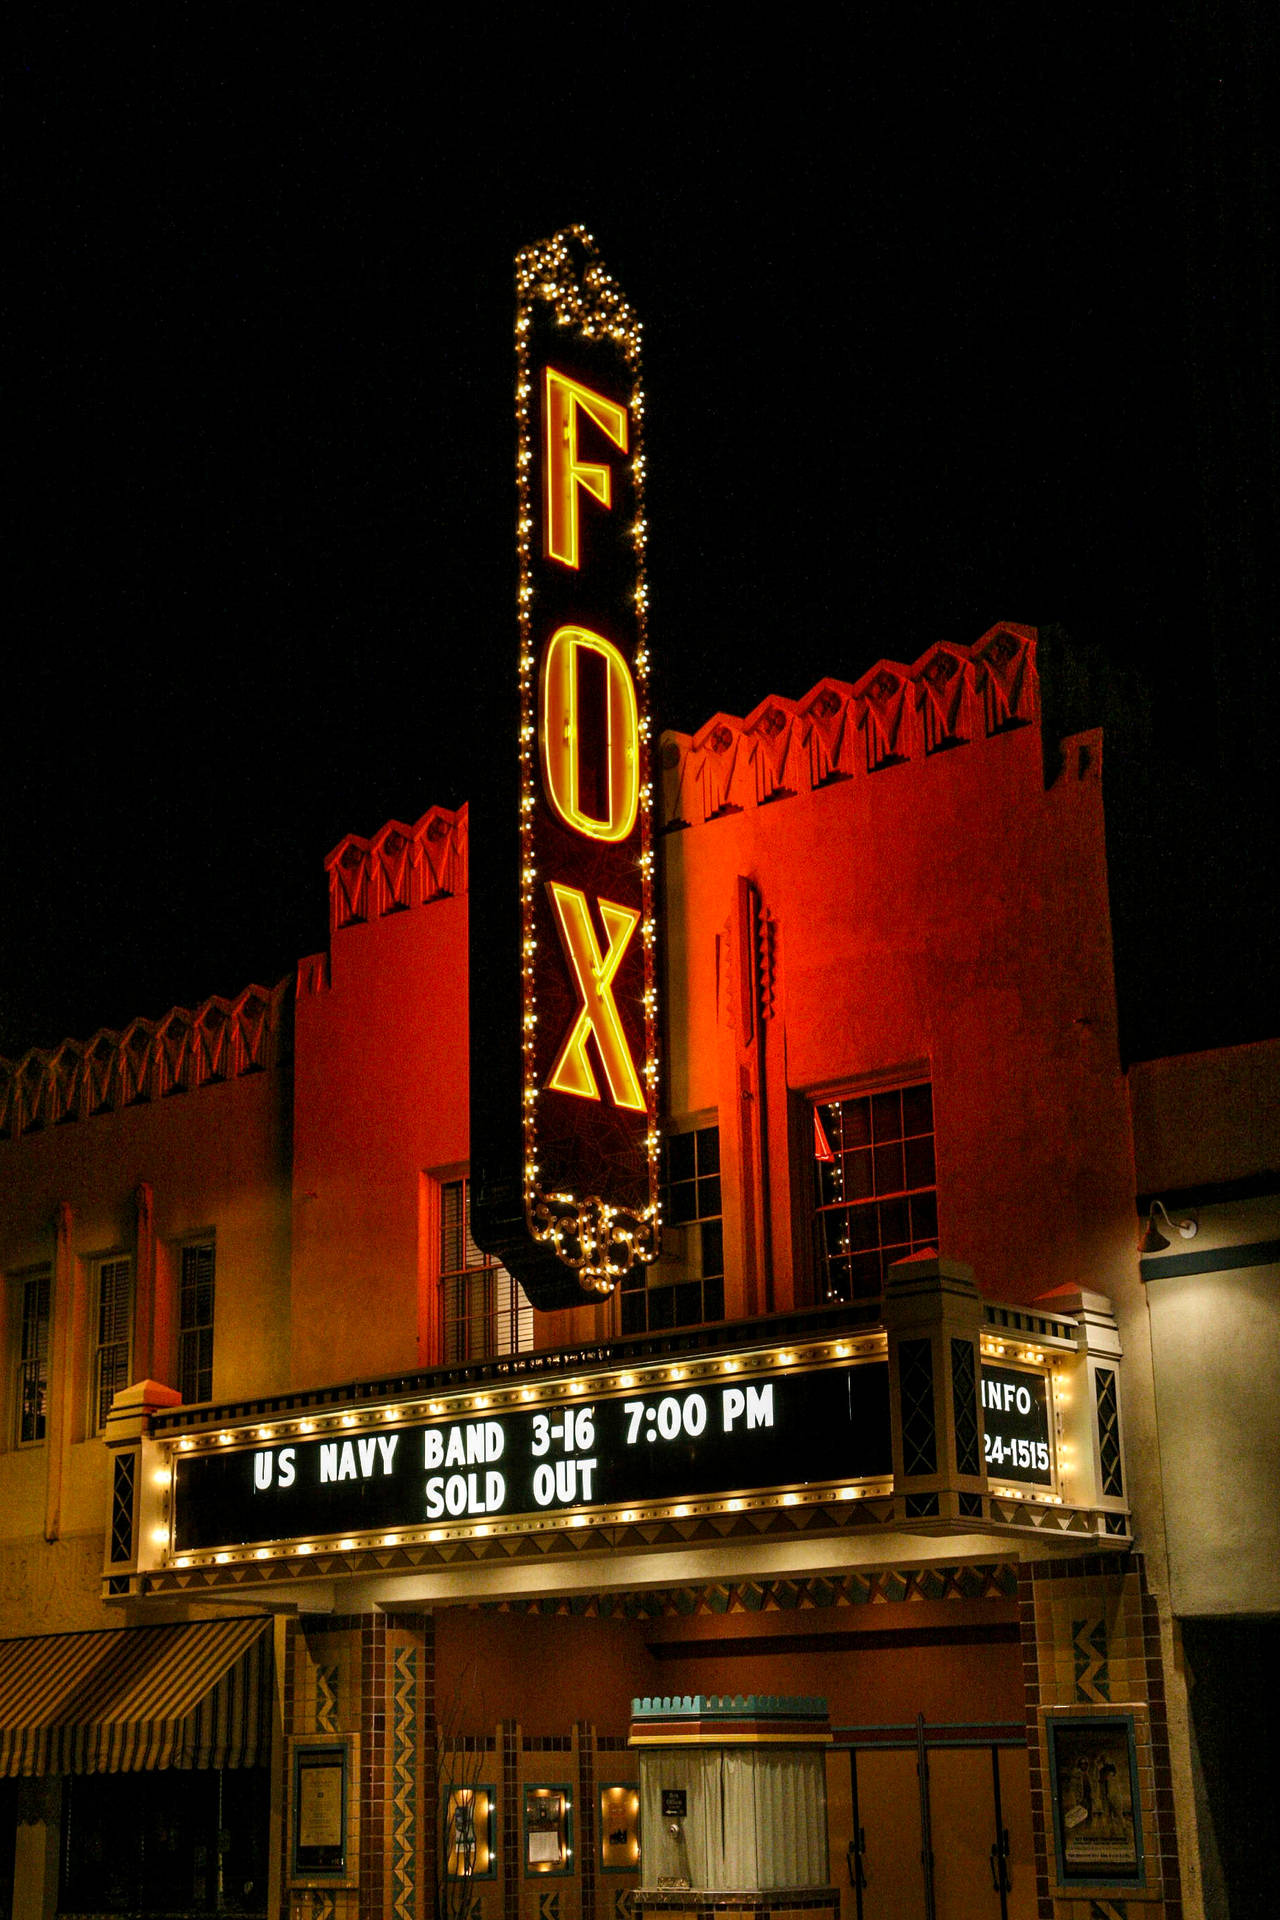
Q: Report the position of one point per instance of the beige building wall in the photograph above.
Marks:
(1207, 1144)
(139, 1178)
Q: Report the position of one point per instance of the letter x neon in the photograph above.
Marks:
(597, 1014)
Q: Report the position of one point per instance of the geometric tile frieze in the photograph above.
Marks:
(885, 1587)
(878, 1516)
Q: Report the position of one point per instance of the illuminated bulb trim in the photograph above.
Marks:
(587, 1234)
(648, 1378)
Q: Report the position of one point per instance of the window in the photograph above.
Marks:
(483, 1311)
(32, 1299)
(877, 1196)
(113, 1334)
(195, 1323)
(193, 1842)
(685, 1286)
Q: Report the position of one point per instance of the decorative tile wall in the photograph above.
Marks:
(374, 1676)
(1091, 1641)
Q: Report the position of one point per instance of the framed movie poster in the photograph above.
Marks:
(322, 1847)
(1097, 1815)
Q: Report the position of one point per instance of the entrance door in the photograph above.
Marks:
(931, 1826)
(1015, 1814)
(887, 1798)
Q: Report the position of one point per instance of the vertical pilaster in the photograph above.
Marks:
(933, 1314)
(373, 1764)
(745, 990)
(509, 1860)
(136, 1507)
(327, 1702)
(144, 1268)
(1091, 1647)
(283, 1632)
(588, 1813)
(289, 1658)
(61, 1370)
(429, 1748)
(1090, 1412)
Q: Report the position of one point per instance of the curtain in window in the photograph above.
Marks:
(755, 1817)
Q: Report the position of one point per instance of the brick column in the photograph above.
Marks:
(588, 1814)
(509, 1843)
(373, 1763)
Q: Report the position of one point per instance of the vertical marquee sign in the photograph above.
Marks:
(587, 960)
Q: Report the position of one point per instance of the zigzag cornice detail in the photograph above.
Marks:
(952, 696)
(400, 866)
(218, 1040)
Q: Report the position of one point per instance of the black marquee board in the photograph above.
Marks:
(736, 1435)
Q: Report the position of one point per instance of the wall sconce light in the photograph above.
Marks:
(1153, 1241)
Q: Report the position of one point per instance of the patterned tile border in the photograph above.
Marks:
(888, 1586)
(1097, 1640)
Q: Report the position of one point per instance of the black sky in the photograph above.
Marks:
(933, 339)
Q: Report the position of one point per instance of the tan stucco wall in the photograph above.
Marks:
(1204, 1121)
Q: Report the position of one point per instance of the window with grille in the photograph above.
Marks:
(195, 1323)
(685, 1286)
(483, 1311)
(877, 1198)
(32, 1356)
(113, 1334)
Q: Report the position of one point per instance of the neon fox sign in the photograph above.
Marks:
(589, 1003)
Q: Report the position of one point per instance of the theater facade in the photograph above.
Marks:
(418, 1579)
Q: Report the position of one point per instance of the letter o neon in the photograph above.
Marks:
(561, 740)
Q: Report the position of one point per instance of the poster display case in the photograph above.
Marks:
(619, 1827)
(323, 1821)
(548, 1838)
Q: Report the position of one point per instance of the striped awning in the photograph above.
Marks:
(196, 1694)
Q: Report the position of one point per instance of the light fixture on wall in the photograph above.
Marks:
(1153, 1241)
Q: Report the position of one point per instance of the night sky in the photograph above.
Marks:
(946, 322)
